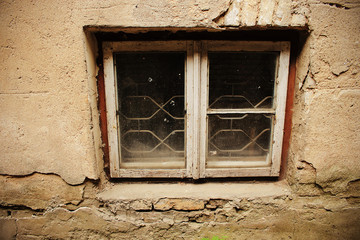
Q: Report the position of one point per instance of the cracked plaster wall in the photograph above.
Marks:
(51, 175)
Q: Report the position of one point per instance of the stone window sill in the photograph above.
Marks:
(230, 191)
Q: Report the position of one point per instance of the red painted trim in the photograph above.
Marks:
(288, 110)
(103, 117)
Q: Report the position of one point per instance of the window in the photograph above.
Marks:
(195, 109)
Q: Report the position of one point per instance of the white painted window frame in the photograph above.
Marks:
(196, 106)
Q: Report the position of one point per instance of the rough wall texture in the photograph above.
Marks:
(52, 185)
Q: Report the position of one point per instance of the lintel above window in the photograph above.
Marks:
(195, 109)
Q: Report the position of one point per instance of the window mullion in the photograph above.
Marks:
(189, 98)
(204, 90)
(194, 120)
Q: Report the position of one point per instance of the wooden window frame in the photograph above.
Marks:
(196, 102)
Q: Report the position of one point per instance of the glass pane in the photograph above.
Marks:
(241, 79)
(151, 109)
(235, 138)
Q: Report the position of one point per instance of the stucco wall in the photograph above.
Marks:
(52, 183)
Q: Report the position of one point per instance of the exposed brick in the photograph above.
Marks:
(215, 203)
(141, 205)
(179, 204)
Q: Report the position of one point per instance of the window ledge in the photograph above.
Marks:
(136, 191)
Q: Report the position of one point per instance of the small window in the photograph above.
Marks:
(195, 109)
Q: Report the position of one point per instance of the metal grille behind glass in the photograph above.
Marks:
(150, 88)
(243, 81)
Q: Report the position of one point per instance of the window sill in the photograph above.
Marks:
(136, 191)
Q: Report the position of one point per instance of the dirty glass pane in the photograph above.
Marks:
(241, 79)
(238, 137)
(151, 112)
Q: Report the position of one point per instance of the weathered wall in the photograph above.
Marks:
(52, 183)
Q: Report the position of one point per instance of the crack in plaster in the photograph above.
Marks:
(337, 5)
(43, 173)
(85, 179)
(219, 19)
(317, 184)
(304, 80)
(22, 207)
(221, 16)
(308, 163)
